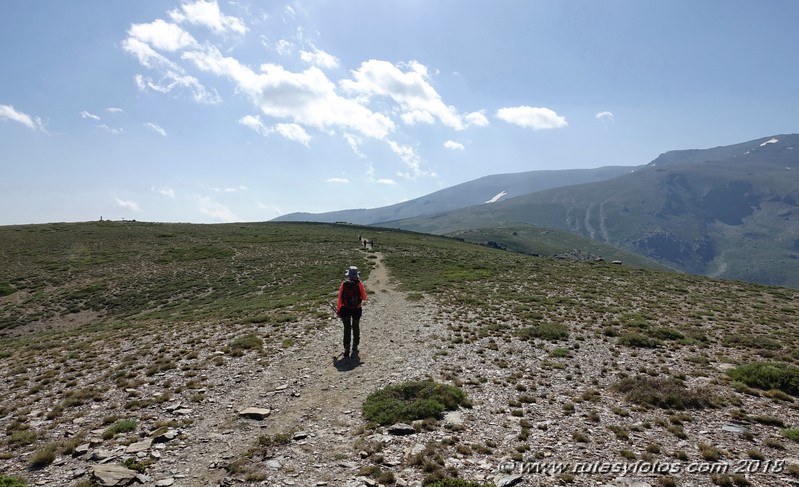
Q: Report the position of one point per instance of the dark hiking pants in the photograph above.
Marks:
(352, 328)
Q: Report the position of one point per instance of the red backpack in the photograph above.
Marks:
(351, 294)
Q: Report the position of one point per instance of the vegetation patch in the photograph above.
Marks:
(545, 331)
(768, 375)
(663, 393)
(11, 481)
(638, 340)
(5, 290)
(410, 401)
(247, 342)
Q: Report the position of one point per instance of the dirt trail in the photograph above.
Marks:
(308, 391)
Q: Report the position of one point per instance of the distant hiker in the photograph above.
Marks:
(351, 294)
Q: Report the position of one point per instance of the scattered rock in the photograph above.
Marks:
(627, 482)
(255, 413)
(453, 418)
(508, 481)
(168, 435)
(300, 435)
(113, 475)
(139, 446)
(165, 482)
(401, 429)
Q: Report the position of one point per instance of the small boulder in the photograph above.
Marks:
(113, 475)
(401, 429)
(255, 413)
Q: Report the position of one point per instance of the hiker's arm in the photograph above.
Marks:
(340, 303)
(363, 291)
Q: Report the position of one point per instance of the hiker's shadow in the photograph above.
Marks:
(347, 363)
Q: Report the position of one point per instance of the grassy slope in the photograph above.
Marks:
(163, 297)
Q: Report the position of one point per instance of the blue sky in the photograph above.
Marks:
(218, 111)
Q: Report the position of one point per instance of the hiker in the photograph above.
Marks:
(350, 296)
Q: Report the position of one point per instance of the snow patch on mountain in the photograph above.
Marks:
(497, 197)
(770, 141)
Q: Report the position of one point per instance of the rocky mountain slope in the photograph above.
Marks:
(207, 355)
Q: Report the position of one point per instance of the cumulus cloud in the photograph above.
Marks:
(306, 98)
(155, 128)
(535, 118)
(478, 119)
(294, 132)
(451, 144)
(165, 191)
(128, 205)
(409, 89)
(388, 182)
(114, 110)
(215, 210)
(147, 56)
(162, 35)
(319, 58)
(337, 180)
(8, 112)
(208, 14)
(90, 116)
(254, 123)
(606, 117)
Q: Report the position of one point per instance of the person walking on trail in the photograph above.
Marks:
(350, 296)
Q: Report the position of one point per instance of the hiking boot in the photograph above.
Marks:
(354, 352)
(347, 353)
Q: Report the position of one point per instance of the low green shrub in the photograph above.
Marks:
(663, 393)
(768, 375)
(410, 401)
(638, 340)
(545, 331)
(247, 342)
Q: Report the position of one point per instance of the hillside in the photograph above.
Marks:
(479, 191)
(726, 212)
(137, 348)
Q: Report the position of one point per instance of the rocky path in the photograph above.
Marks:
(315, 398)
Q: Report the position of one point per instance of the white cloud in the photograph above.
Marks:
(215, 210)
(410, 90)
(477, 119)
(230, 189)
(162, 35)
(532, 117)
(355, 145)
(172, 80)
(147, 56)
(155, 128)
(114, 110)
(389, 182)
(261, 206)
(294, 132)
(410, 158)
(164, 191)
(319, 58)
(307, 98)
(90, 116)
(451, 144)
(207, 14)
(605, 116)
(9, 113)
(338, 180)
(254, 122)
(284, 47)
(128, 205)
(111, 130)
